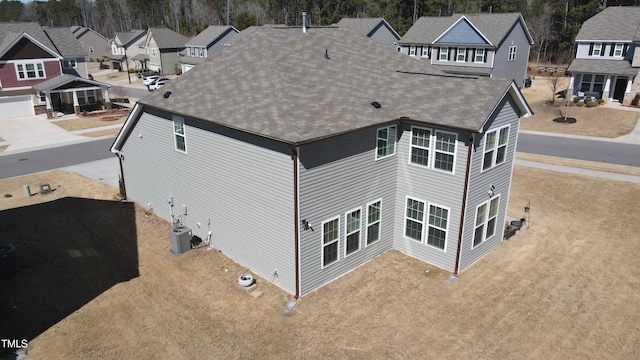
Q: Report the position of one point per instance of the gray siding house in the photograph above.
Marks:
(377, 29)
(494, 45)
(304, 164)
(607, 60)
(163, 47)
(96, 45)
(206, 44)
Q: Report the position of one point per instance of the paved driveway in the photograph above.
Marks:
(34, 132)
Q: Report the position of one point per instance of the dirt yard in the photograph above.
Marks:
(599, 121)
(97, 280)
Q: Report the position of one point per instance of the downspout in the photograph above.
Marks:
(296, 216)
(464, 203)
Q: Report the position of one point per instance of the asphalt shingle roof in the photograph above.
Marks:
(168, 39)
(597, 66)
(612, 23)
(494, 27)
(210, 34)
(362, 26)
(127, 37)
(299, 95)
(65, 42)
(64, 79)
(10, 31)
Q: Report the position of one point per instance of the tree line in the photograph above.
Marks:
(553, 23)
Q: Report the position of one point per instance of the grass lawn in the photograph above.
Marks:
(82, 123)
(599, 121)
(97, 280)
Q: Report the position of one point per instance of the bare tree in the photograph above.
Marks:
(554, 82)
(541, 29)
(176, 13)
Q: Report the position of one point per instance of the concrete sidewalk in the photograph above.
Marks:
(580, 171)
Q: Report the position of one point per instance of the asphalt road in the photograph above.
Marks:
(129, 91)
(590, 150)
(47, 159)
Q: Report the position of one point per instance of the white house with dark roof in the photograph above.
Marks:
(124, 46)
(607, 60)
(206, 44)
(494, 45)
(304, 164)
(377, 29)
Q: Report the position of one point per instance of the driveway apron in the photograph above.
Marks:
(34, 132)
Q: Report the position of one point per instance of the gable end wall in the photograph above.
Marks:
(516, 69)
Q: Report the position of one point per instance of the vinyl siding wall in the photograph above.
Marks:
(383, 35)
(435, 59)
(516, 69)
(170, 58)
(242, 183)
(338, 175)
(219, 45)
(480, 183)
(584, 47)
(432, 187)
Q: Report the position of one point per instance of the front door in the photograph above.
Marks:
(621, 86)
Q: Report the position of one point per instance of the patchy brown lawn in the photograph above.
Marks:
(567, 288)
(82, 123)
(599, 121)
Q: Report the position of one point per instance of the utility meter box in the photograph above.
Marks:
(180, 239)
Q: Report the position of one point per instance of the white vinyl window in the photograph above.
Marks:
(495, 147)
(420, 146)
(179, 134)
(386, 142)
(461, 55)
(30, 70)
(426, 51)
(412, 50)
(86, 97)
(330, 241)
(512, 52)
(352, 221)
(479, 55)
(445, 151)
(597, 49)
(486, 220)
(437, 227)
(433, 149)
(444, 54)
(201, 51)
(154, 52)
(619, 49)
(414, 219)
(373, 221)
(69, 64)
(192, 51)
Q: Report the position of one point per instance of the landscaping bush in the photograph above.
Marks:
(588, 99)
(132, 70)
(636, 101)
(601, 101)
(592, 104)
(580, 103)
(576, 99)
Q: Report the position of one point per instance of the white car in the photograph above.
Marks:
(158, 84)
(148, 80)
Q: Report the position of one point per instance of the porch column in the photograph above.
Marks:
(107, 101)
(627, 92)
(606, 90)
(76, 105)
(47, 98)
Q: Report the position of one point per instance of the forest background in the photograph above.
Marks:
(553, 23)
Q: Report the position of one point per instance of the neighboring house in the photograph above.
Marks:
(124, 46)
(495, 45)
(206, 44)
(96, 45)
(73, 55)
(377, 29)
(30, 55)
(71, 94)
(607, 60)
(304, 164)
(163, 47)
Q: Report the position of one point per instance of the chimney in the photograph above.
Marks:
(304, 22)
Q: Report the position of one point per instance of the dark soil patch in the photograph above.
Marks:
(563, 120)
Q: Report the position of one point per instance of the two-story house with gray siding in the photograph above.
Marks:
(607, 60)
(204, 45)
(95, 45)
(494, 45)
(377, 29)
(163, 47)
(304, 164)
(124, 46)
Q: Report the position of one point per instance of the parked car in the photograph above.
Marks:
(148, 80)
(158, 84)
(141, 73)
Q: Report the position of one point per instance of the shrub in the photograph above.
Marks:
(592, 104)
(601, 101)
(580, 103)
(588, 99)
(576, 99)
(636, 100)
(132, 70)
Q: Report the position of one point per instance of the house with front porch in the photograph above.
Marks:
(304, 164)
(124, 46)
(492, 45)
(607, 62)
(31, 55)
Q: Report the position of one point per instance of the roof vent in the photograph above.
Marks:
(326, 54)
(376, 105)
(304, 22)
(167, 94)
